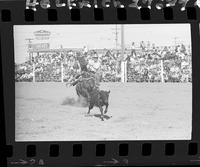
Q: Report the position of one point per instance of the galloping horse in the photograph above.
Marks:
(85, 83)
(85, 86)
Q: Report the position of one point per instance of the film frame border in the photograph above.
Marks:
(95, 153)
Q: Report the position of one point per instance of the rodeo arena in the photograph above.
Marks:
(144, 88)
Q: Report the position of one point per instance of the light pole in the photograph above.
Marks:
(31, 57)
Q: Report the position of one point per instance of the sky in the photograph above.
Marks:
(98, 36)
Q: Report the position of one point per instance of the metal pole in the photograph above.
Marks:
(122, 53)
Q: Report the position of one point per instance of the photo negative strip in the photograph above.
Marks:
(99, 83)
(103, 82)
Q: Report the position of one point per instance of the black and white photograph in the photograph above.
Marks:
(103, 82)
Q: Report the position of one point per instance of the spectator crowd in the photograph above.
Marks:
(144, 63)
(150, 63)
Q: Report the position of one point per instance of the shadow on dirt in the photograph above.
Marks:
(80, 102)
(104, 116)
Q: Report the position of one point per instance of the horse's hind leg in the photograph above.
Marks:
(101, 109)
(106, 109)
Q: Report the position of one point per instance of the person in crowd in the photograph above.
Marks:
(133, 51)
(148, 45)
(178, 49)
(183, 48)
(85, 51)
(142, 46)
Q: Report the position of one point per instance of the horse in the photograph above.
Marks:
(84, 87)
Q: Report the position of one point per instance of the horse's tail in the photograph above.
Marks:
(78, 90)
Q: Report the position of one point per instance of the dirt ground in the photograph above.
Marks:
(137, 111)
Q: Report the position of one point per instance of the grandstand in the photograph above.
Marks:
(160, 64)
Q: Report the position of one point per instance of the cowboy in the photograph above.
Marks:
(94, 66)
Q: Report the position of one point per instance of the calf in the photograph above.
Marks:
(99, 98)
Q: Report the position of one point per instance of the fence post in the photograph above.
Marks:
(162, 73)
(125, 71)
(33, 60)
(123, 64)
(62, 72)
(122, 71)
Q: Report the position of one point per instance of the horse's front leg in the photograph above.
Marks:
(90, 107)
(101, 109)
(106, 109)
